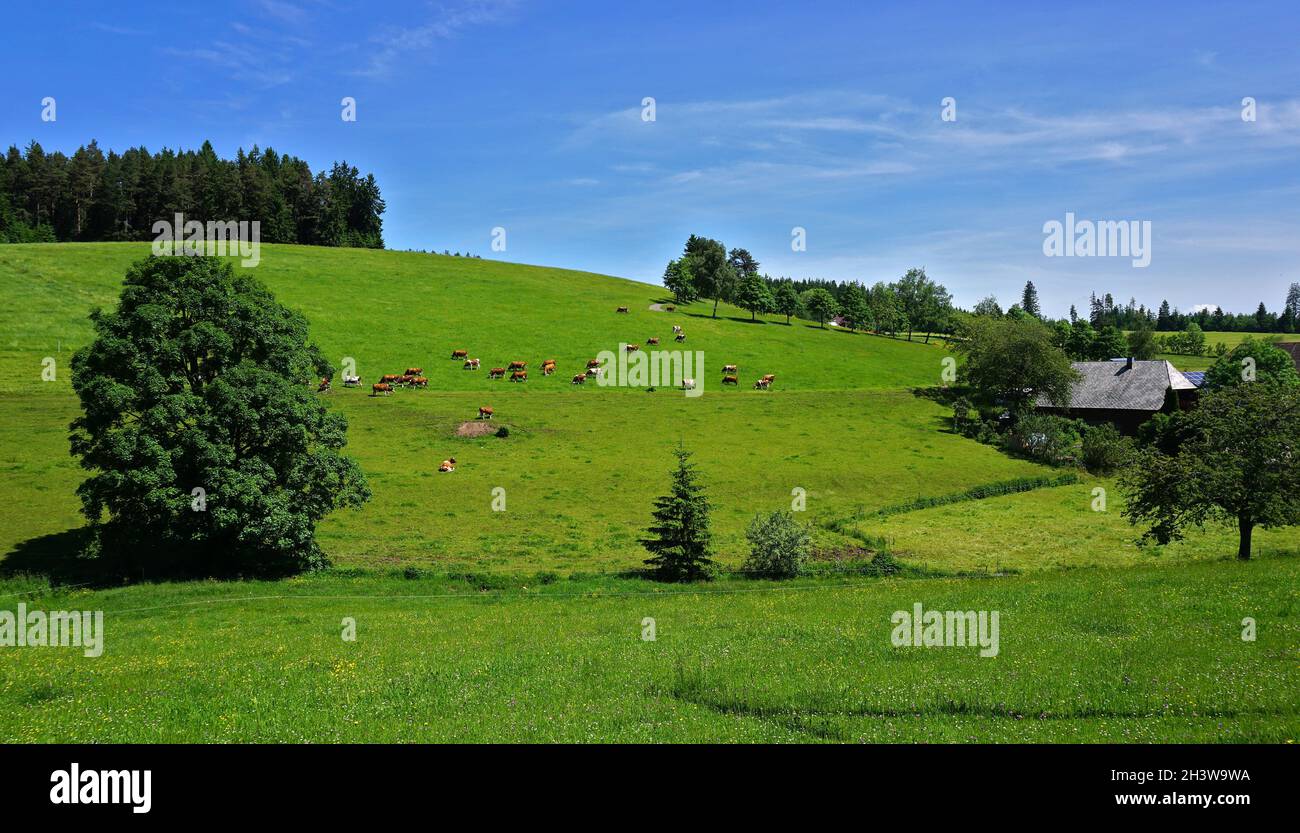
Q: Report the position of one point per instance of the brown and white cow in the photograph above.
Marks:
(579, 379)
(519, 376)
(729, 368)
(518, 365)
(731, 380)
(471, 364)
(652, 340)
(381, 387)
(391, 379)
(593, 363)
(414, 371)
(497, 373)
(419, 382)
(324, 385)
(771, 377)
(632, 348)
(485, 412)
(763, 384)
(460, 354)
(447, 465)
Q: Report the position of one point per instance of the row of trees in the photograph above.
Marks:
(1132, 316)
(707, 270)
(47, 197)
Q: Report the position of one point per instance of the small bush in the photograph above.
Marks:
(412, 573)
(503, 432)
(778, 546)
(1104, 449)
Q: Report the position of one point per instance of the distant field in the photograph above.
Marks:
(1229, 340)
(1139, 655)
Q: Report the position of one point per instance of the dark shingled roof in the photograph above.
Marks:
(1292, 347)
(1114, 386)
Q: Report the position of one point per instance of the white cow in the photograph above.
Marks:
(688, 384)
(351, 381)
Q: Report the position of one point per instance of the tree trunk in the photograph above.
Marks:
(715, 307)
(1245, 526)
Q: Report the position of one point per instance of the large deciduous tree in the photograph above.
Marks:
(1235, 458)
(1010, 361)
(208, 448)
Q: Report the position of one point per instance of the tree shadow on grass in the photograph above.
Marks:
(60, 559)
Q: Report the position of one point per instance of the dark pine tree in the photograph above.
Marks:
(679, 539)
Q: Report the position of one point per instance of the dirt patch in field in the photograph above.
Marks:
(476, 428)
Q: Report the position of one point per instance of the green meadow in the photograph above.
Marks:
(522, 624)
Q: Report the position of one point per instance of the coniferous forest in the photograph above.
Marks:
(47, 197)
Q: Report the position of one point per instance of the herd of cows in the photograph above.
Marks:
(413, 376)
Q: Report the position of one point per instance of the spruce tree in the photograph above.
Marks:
(679, 539)
(1029, 301)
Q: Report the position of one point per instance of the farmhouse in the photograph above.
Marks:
(1125, 392)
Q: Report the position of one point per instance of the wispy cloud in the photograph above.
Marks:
(394, 42)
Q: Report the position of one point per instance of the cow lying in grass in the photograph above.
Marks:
(448, 465)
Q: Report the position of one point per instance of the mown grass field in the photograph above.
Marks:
(1142, 654)
(1102, 640)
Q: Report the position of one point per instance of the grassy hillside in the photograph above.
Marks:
(474, 624)
(391, 310)
(581, 463)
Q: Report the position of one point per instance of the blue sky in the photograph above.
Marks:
(527, 115)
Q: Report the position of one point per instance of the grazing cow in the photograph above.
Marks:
(621, 309)
(391, 379)
(419, 382)
(460, 354)
(593, 363)
(497, 373)
(681, 337)
(548, 367)
(771, 377)
(381, 387)
(729, 368)
(406, 380)
(471, 364)
(414, 371)
(632, 348)
(485, 412)
(579, 379)
(688, 384)
(518, 365)
(324, 385)
(448, 465)
(763, 384)
(592, 371)
(519, 376)
(652, 340)
(677, 328)
(731, 380)
(351, 381)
